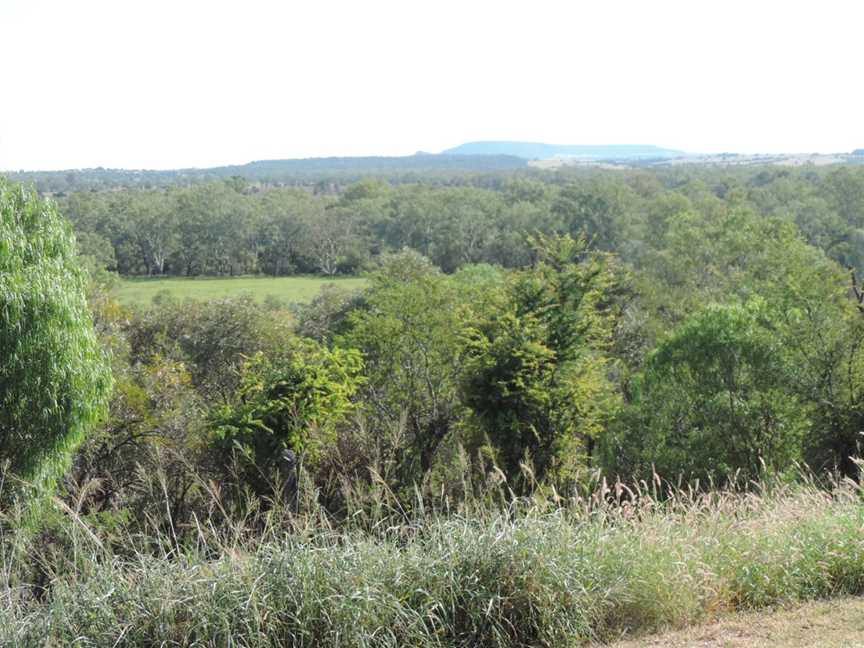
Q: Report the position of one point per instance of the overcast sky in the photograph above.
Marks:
(175, 83)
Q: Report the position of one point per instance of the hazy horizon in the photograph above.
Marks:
(159, 85)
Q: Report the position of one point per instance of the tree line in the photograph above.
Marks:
(235, 228)
(314, 172)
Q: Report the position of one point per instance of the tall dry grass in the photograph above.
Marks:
(543, 572)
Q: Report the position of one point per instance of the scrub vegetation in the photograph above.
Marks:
(527, 407)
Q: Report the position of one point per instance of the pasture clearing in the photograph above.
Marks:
(136, 291)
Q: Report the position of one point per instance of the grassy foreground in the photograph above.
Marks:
(587, 572)
(285, 289)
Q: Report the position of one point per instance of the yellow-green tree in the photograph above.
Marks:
(293, 401)
(536, 378)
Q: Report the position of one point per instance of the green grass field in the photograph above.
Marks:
(286, 289)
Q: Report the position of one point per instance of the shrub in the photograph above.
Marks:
(536, 373)
(293, 401)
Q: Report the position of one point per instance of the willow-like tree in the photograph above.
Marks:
(54, 379)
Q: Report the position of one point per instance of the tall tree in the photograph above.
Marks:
(536, 370)
(54, 379)
(717, 399)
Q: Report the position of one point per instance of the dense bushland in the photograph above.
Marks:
(735, 352)
(515, 345)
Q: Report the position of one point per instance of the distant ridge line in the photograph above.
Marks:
(292, 171)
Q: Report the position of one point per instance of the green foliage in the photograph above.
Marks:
(594, 212)
(326, 314)
(703, 257)
(294, 401)
(536, 372)
(523, 364)
(318, 172)
(145, 445)
(214, 229)
(407, 329)
(96, 257)
(829, 371)
(733, 256)
(54, 378)
(212, 337)
(473, 366)
(714, 400)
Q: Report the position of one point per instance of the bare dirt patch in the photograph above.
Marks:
(834, 623)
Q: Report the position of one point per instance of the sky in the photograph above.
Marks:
(186, 83)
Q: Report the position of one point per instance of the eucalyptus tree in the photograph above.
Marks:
(407, 329)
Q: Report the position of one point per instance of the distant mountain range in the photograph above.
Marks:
(538, 151)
